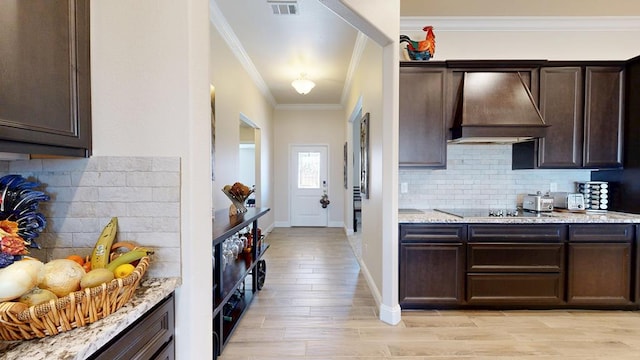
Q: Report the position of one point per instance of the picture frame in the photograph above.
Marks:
(364, 156)
(212, 93)
(344, 166)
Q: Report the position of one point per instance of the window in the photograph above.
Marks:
(309, 170)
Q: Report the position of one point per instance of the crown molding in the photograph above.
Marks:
(217, 19)
(521, 23)
(309, 107)
(356, 55)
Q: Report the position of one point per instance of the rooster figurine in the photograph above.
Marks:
(421, 50)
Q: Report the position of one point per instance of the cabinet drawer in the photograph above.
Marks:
(514, 289)
(168, 353)
(517, 233)
(432, 233)
(515, 257)
(601, 233)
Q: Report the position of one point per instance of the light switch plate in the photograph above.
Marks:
(404, 188)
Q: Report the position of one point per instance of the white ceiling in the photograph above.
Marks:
(314, 41)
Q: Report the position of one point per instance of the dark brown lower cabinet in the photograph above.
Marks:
(151, 337)
(433, 274)
(432, 265)
(599, 267)
(541, 266)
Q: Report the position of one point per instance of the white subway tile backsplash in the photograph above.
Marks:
(166, 224)
(479, 176)
(153, 179)
(143, 192)
(106, 209)
(125, 164)
(153, 209)
(100, 179)
(166, 194)
(125, 194)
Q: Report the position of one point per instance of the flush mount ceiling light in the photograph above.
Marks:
(302, 84)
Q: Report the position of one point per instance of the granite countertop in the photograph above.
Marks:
(432, 216)
(80, 343)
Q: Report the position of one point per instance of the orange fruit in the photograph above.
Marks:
(76, 258)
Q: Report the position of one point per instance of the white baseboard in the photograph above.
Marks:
(286, 224)
(389, 315)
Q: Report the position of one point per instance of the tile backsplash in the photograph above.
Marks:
(480, 176)
(143, 192)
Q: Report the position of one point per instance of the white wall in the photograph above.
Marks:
(247, 158)
(376, 82)
(520, 8)
(150, 97)
(368, 83)
(320, 127)
(518, 44)
(237, 97)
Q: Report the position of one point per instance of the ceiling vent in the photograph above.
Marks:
(284, 7)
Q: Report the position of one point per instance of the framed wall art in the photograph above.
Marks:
(344, 166)
(364, 156)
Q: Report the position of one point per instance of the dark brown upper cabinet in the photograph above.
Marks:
(45, 105)
(422, 129)
(584, 104)
(561, 106)
(603, 118)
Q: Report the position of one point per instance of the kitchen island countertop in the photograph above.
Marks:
(433, 216)
(80, 343)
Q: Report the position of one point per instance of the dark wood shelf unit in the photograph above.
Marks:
(237, 284)
(233, 276)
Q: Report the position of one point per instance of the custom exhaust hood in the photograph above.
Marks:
(496, 107)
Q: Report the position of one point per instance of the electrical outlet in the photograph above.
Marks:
(553, 187)
(404, 188)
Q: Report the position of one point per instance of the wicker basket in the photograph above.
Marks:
(80, 308)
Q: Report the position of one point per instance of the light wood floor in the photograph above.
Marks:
(316, 305)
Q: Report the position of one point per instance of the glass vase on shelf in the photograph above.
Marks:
(237, 200)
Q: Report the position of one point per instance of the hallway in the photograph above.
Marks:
(316, 304)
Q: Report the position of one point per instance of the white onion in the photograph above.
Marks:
(20, 277)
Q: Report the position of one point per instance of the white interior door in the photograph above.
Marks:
(308, 182)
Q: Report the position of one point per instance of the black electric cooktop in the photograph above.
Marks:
(471, 213)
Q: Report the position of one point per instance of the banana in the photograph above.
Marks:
(129, 257)
(100, 254)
